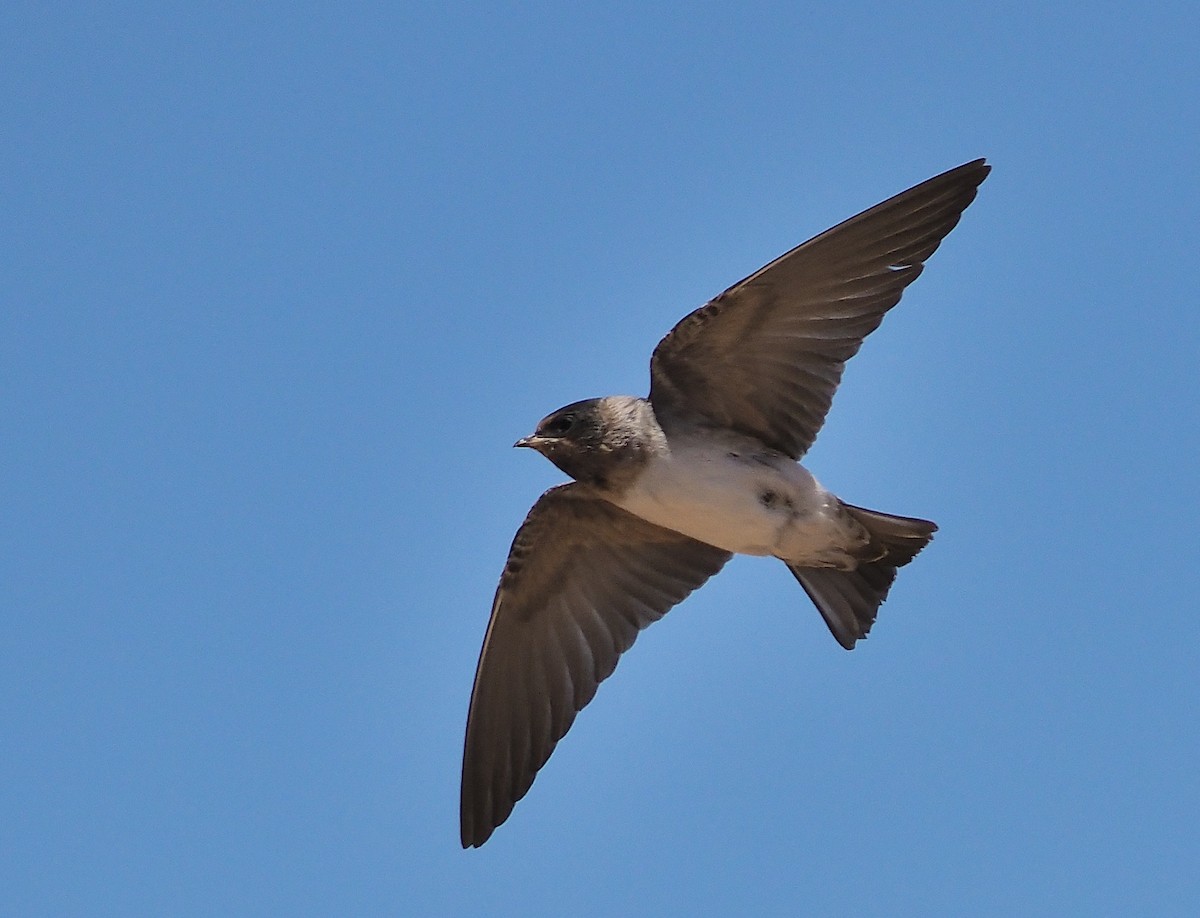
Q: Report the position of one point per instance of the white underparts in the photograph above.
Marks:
(743, 499)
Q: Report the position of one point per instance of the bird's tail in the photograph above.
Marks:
(850, 600)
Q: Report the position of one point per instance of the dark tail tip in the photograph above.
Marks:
(849, 601)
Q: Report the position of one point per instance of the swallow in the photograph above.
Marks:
(666, 489)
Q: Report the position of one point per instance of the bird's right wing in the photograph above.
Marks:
(583, 578)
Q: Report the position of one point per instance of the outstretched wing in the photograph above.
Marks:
(765, 357)
(583, 578)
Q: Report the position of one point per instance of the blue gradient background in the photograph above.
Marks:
(283, 282)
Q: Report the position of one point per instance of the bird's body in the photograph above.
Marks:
(667, 488)
(732, 491)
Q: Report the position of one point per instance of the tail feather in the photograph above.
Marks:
(850, 600)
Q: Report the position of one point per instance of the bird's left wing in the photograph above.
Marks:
(765, 357)
(583, 577)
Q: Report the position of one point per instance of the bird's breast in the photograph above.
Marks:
(735, 497)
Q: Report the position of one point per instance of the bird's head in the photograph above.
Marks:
(571, 437)
(599, 441)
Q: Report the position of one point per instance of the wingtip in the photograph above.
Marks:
(471, 839)
(979, 166)
(473, 827)
(977, 170)
(846, 641)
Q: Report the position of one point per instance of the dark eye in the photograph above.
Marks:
(560, 425)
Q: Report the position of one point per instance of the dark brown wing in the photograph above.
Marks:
(765, 357)
(583, 578)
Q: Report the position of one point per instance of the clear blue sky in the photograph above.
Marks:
(281, 285)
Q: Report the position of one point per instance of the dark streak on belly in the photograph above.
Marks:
(773, 500)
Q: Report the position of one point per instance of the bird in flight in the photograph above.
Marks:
(665, 489)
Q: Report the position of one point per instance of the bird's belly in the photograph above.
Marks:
(752, 505)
